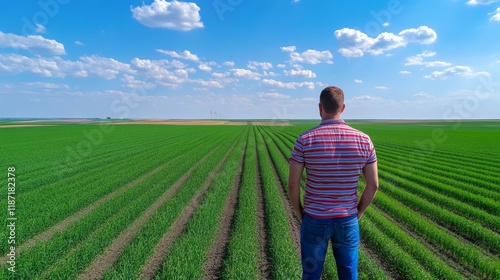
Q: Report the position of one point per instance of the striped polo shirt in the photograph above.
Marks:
(334, 155)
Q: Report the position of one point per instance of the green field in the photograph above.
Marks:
(141, 201)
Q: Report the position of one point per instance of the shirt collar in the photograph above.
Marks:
(332, 121)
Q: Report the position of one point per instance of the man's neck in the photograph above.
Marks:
(331, 117)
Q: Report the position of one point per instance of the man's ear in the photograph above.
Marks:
(343, 108)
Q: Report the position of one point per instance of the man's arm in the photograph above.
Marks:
(371, 178)
(294, 187)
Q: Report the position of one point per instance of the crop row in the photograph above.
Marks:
(103, 223)
(468, 255)
(56, 202)
(57, 199)
(150, 240)
(392, 255)
(456, 160)
(191, 186)
(244, 263)
(486, 185)
(460, 191)
(64, 157)
(189, 252)
(449, 202)
(283, 253)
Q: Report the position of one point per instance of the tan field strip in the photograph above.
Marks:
(24, 125)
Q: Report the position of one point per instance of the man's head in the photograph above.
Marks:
(331, 102)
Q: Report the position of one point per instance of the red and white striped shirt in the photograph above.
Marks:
(334, 155)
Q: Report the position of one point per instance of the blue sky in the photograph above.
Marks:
(243, 59)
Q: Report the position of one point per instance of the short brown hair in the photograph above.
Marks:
(332, 99)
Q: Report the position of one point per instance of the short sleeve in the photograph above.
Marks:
(298, 152)
(372, 157)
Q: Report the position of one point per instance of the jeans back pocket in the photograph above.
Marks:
(313, 232)
(350, 232)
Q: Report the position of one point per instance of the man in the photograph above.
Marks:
(334, 155)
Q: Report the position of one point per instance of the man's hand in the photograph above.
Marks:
(370, 172)
(294, 187)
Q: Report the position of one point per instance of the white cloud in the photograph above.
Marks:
(404, 72)
(155, 70)
(421, 35)
(223, 79)
(186, 55)
(131, 82)
(270, 73)
(209, 84)
(358, 81)
(220, 75)
(385, 24)
(495, 16)
(311, 57)
(229, 63)
(300, 73)
(292, 85)
(462, 71)
(437, 63)
(34, 43)
(419, 60)
(281, 65)
(177, 64)
(273, 95)
(309, 99)
(365, 97)
(78, 43)
(15, 63)
(205, 67)
(320, 84)
(423, 94)
(245, 74)
(40, 28)
(381, 88)
(480, 2)
(262, 65)
(47, 85)
(354, 43)
(288, 49)
(104, 67)
(177, 15)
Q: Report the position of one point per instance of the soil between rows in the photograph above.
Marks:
(47, 234)
(292, 219)
(218, 251)
(153, 264)
(264, 262)
(113, 252)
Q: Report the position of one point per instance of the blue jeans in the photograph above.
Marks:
(314, 236)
